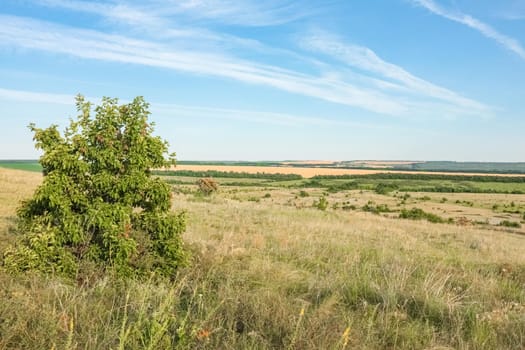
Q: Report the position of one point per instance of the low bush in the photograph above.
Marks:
(376, 209)
(342, 187)
(507, 223)
(98, 204)
(384, 188)
(420, 214)
(303, 194)
(321, 203)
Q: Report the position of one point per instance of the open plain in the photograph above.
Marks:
(269, 270)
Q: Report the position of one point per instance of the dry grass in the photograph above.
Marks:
(15, 185)
(273, 273)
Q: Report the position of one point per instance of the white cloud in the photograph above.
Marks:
(392, 77)
(485, 29)
(27, 33)
(184, 111)
(39, 97)
(377, 86)
(240, 12)
(233, 12)
(284, 119)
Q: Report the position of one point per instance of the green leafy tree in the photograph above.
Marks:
(98, 202)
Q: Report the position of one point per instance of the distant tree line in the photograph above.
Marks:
(228, 174)
(403, 176)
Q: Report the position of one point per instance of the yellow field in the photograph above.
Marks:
(307, 172)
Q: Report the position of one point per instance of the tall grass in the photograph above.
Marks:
(269, 276)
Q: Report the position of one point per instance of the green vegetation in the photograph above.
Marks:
(479, 167)
(265, 275)
(454, 184)
(230, 163)
(381, 183)
(270, 271)
(321, 203)
(98, 204)
(420, 214)
(345, 186)
(371, 207)
(228, 175)
(386, 188)
(28, 165)
(507, 223)
(426, 177)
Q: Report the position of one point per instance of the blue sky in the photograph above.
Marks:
(277, 79)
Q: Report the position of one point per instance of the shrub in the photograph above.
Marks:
(376, 209)
(207, 186)
(419, 214)
(229, 174)
(98, 202)
(303, 194)
(342, 187)
(507, 223)
(321, 204)
(384, 188)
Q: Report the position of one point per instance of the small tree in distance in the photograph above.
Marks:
(98, 202)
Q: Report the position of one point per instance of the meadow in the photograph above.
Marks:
(30, 165)
(271, 268)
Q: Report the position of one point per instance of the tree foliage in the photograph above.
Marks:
(98, 202)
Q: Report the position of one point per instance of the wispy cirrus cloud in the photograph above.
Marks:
(392, 77)
(186, 111)
(242, 12)
(484, 28)
(32, 34)
(231, 12)
(38, 97)
(363, 80)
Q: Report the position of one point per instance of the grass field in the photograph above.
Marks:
(271, 271)
(403, 182)
(29, 165)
